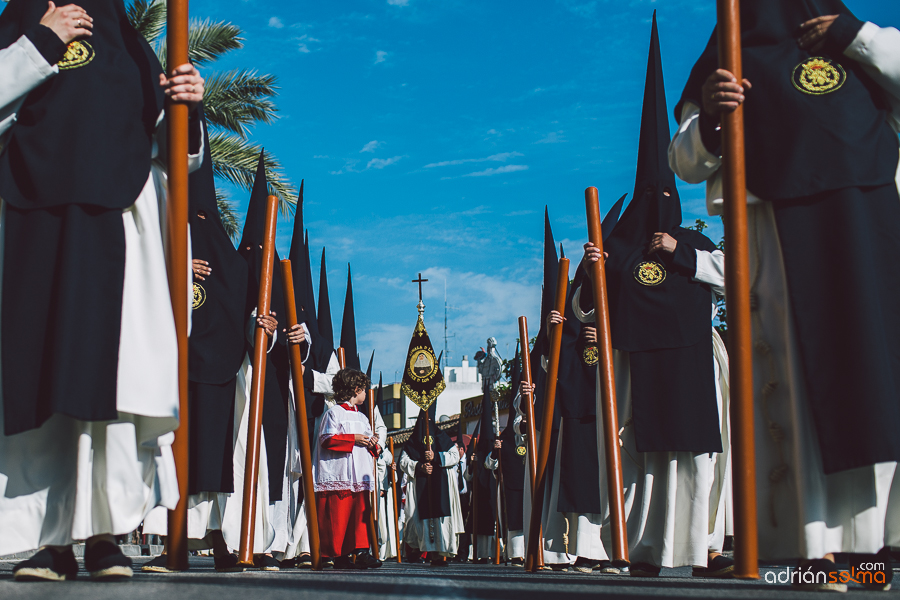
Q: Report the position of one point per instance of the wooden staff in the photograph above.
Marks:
(177, 255)
(503, 512)
(374, 497)
(528, 401)
(474, 511)
(428, 477)
(543, 451)
(309, 488)
(614, 480)
(342, 358)
(737, 286)
(257, 388)
(396, 500)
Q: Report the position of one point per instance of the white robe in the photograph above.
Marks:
(416, 531)
(677, 518)
(69, 479)
(802, 512)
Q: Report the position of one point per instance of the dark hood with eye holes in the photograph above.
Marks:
(653, 301)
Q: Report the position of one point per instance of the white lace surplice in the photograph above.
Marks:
(353, 471)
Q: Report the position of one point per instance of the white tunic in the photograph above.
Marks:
(802, 511)
(69, 479)
(417, 531)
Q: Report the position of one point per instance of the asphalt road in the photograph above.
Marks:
(402, 581)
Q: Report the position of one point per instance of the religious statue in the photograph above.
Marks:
(490, 365)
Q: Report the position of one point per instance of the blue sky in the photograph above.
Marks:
(432, 133)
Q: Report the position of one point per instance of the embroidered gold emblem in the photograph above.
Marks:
(428, 440)
(590, 355)
(422, 365)
(650, 273)
(818, 76)
(78, 54)
(199, 296)
(520, 450)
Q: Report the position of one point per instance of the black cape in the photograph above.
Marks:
(432, 492)
(827, 160)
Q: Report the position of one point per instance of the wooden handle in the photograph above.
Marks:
(342, 357)
(374, 496)
(543, 450)
(309, 487)
(257, 388)
(528, 401)
(396, 502)
(737, 287)
(614, 480)
(177, 255)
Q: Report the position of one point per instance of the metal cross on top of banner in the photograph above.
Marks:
(420, 281)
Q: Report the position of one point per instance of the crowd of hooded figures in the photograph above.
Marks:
(90, 382)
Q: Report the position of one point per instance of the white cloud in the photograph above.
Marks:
(303, 48)
(380, 163)
(497, 171)
(398, 2)
(371, 146)
(276, 23)
(502, 157)
(304, 41)
(380, 56)
(554, 137)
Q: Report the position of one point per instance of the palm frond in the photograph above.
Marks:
(148, 17)
(234, 159)
(228, 216)
(237, 99)
(207, 41)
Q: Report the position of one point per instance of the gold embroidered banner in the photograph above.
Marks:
(423, 381)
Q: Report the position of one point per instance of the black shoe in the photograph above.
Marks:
(721, 567)
(517, 562)
(47, 564)
(862, 567)
(304, 561)
(264, 562)
(607, 568)
(586, 565)
(160, 564)
(622, 567)
(481, 561)
(226, 563)
(345, 563)
(364, 558)
(644, 570)
(105, 562)
(816, 575)
(439, 562)
(326, 563)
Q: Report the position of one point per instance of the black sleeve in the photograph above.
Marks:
(710, 134)
(195, 132)
(47, 43)
(308, 379)
(841, 34)
(684, 259)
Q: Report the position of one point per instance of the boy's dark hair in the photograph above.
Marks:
(346, 382)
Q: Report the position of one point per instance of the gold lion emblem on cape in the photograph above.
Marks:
(78, 54)
(650, 273)
(199, 296)
(590, 355)
(818, 76)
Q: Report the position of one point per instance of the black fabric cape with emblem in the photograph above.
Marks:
(512, 459)
(432, 499)
(658, 313)
(217, 343)
(278, 371)
(822, 151)
(63, 235)
(576, 394)
(483, 483)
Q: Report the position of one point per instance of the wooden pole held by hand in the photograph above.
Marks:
(543, 450)
(396, 500)
(309, 487)
(614, 480)
(528, 402)
(375, 495)
(257, 388)
(177, 258)
(737, 294)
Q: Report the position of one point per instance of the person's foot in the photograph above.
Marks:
(517, 562)
(481, 561)
(364, 558)
(720, 567)
(158, 564)
(326, 563)
(105, 562)
(620, 567)
(48, 564)
(439, 562)
(644, 570)
(585, 565)
(606, 567)
(226, 563)
(816, 575)
(559, 567)
(304, 561)
(345, 563)
(264, 562)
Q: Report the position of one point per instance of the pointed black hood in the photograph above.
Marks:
(803, 134)
(348, 327)
(326, 328)
(216, 347)
(251, 247)
(653, 301)
(548, 296)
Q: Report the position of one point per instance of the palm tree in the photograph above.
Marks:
(233, 101)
